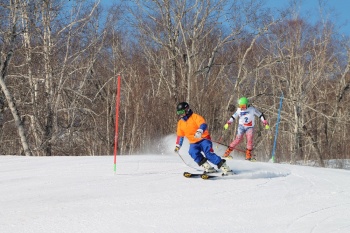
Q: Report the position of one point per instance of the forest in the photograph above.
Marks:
(60, 61)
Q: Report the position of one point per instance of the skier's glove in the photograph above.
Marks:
(226, 125)
(199, 133)
(266, 124)
(177, 148)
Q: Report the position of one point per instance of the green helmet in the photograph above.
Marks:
(243, 100)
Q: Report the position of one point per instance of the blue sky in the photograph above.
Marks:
(340, 10)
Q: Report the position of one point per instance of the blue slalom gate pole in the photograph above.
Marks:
(276, 133)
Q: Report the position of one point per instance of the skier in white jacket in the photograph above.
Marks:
(246, 114)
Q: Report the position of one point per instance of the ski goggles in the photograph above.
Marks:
(243, 106)
(181, 112)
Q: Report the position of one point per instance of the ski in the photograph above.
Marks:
(218, 176)
(192, 175)
(251, 160)
(207, 176)
(198, 175)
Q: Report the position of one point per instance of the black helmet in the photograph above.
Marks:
(182, 108)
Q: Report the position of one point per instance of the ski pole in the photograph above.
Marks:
(185, 162)
(237, 149)
(222, 135)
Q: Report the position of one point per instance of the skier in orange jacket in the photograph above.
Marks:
(194, 128)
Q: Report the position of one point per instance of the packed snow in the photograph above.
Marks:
(149, 194)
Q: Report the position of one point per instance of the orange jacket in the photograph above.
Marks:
(188, 128)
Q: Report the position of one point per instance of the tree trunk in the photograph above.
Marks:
(16, 116)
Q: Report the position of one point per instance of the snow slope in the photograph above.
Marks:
(149, 194)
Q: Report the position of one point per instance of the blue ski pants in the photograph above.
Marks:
(204, 146)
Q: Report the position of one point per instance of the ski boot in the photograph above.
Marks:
(227, 153)
(208, 168)
(224, 168)
(248, 155)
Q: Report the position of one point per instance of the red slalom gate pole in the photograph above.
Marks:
(218, 142)
(117, 100)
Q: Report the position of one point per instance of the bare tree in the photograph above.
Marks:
(59, 64)
(8, 48)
